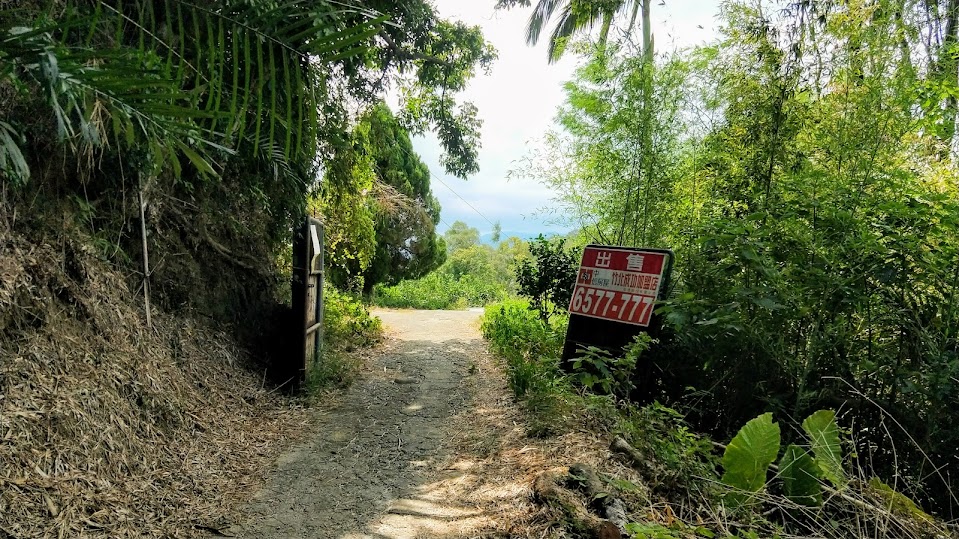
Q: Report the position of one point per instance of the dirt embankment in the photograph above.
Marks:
(110, 428)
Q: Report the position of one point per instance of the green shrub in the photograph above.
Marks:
(548, 277)
(679, 458)
(440, 290)
(347, 325)
(515, 332)
(531, 351)
(611, 375)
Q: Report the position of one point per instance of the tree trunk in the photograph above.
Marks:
(604, 31)
(648, 33)
(948, 69)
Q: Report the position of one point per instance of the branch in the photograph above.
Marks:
(229, 255)
(404, 54)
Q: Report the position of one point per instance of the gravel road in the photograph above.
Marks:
(367, 469)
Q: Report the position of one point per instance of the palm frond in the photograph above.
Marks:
(541, 15)
(573, 17)
(567, 25)
(174, 74)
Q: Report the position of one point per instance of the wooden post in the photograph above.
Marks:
(146, 252)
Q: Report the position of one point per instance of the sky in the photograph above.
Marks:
(517, 102)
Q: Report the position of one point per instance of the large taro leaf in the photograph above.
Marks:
(823, 435)
(800, 476)
(748, 456)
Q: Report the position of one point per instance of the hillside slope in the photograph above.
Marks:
(109, 428)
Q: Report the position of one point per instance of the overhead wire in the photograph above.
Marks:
(444, 184)
(432, 176)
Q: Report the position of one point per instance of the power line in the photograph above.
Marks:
(460, 197)
(444, 184)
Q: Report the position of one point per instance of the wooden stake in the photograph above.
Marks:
(146, 255)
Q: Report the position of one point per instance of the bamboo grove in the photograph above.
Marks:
(803, 168)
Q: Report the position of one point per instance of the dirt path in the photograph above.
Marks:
(401, 454)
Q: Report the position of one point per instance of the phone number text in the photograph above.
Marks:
(612, 305)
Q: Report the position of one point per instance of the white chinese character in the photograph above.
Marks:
(634, 262)
(603, 259)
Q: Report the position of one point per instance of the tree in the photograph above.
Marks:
(579, 17)
(214, 78)
(176, 81)
(547, 277)
(396, 198)
(460, 236)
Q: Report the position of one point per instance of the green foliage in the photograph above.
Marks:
(524, 341)
(612, 375)
(473, 275)
(897, 501)
(347, 322)
(337, 370)
(347, 326)
(579, 18)
(748, 456)
(382, 213)
(460, 236)
(681, 461)
(530, 349)
(823, 433)
(619, 167)
(676, 530)
(800, 476)
(224, 114)
(439, 290)
(446, 63)
(349, 226)
(173, 79)
(547, 277)
(802, 168)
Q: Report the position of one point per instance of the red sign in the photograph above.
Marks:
(618, 284)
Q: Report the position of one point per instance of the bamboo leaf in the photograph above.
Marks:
(274, 113)
(196, 159)
(260, 82)
(287, 147)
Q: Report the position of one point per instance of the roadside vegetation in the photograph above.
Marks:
(763, 482)
(474, 274)
(348, 330)
(802, 167)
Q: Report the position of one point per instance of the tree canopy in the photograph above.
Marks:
(383, 230)
(803, 169)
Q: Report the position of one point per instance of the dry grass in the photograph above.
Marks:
(111, 429)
